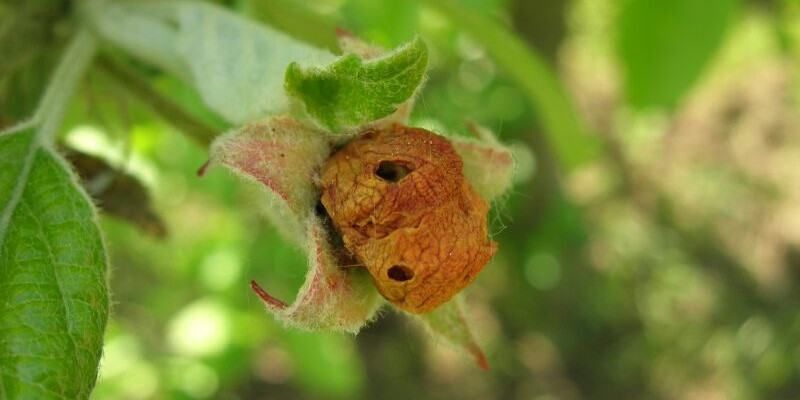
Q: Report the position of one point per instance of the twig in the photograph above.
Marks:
(138, 86)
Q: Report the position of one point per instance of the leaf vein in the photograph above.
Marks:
(19, 188)
(56, 277)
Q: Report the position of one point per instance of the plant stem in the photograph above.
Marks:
(573, 144)
(62, 85)
(138, 86)
(48, 116)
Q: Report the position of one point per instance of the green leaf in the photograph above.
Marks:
(351, 92)
(664, 45)
(156, 33)
(235, 64)
(53, 276)
(52, 257)
(296, 19)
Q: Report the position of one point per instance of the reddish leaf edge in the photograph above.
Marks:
(201, 172)
(474, 349)
(266, 297)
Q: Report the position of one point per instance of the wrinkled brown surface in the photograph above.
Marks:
(429, 223)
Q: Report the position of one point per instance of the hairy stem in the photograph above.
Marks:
(62, 84)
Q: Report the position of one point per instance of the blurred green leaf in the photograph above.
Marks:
(156, 37)
(664, 45)
(52, 256)
(350, 91)
(236, 65)
(326, 364)
(488, 164)
(136, 84)
(387, 23)
(23, 88)
(448, 322)
(28, 44)
(297, 20)
(565, 131)
(28, 32)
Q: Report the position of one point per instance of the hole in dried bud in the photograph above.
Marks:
(391, 171)
(369, 135)
(320, 210)
(400, 273)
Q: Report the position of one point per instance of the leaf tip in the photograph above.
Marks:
(203, 169)
(271, 302)
(344, 33)
(480, 357)
(292, 76)
(419, 44)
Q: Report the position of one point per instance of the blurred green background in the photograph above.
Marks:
(665, 266)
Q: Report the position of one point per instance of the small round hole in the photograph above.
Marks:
(400, 273)
(320, 210)
(391, 171)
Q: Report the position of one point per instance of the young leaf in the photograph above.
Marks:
(448, 322)
(488, 164)
(52, 257)
(235, 64)
(282, 157)
(665, 44)
(332, 298)
(351, 91)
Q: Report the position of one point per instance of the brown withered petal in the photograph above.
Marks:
(400, 201)
(116, 192)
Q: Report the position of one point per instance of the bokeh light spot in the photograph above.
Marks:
(201, 328)
(197, 380)
(220, 269)
(542, 271)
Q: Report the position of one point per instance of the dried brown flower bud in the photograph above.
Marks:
(404, 209)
